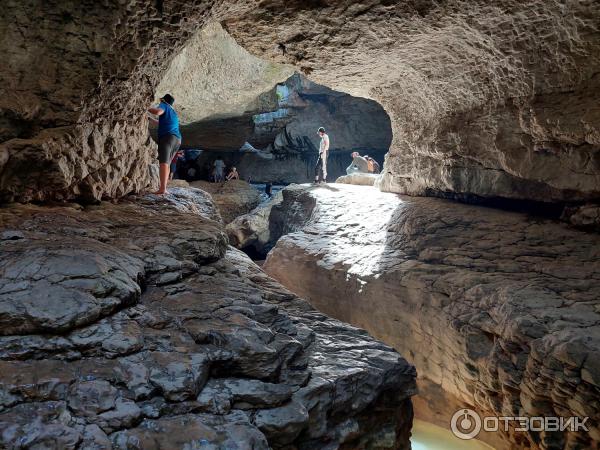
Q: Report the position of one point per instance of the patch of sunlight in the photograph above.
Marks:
(358, 217)
(426, 436)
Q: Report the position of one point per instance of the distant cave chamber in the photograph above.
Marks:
(281, 145)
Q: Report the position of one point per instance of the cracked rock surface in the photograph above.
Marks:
(133, 325)
(498, 311)
(233, 198)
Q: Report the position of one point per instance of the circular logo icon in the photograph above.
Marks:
(465, 424)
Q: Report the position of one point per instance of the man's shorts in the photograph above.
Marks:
(167, 147)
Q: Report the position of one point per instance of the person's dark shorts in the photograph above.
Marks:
(167, 146)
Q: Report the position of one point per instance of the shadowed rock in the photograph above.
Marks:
(233, 198)
(200, 347)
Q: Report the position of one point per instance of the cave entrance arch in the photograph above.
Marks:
(263, 117)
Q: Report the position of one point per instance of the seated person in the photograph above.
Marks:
(359, 164)
(373, 165)
(233, 175)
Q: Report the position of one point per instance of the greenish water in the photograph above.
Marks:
(426, 436)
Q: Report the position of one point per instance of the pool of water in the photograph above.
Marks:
(260, 187)
(426, 436)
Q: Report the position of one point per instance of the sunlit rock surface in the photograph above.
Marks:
(213, 77)
(134, 325)
(498, 311)
(361, 179)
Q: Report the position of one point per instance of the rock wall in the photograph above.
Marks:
(353, 123)
(214, 78)
(485, 98)
(233, 198)
(498, 311)
(134, 325)
(74, 92)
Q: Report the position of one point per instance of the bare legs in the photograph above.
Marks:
(163, 171)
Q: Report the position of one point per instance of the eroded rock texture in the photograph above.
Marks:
(486, 98)
(497, 311)
(134, 326)
(233, 198)
(214, 78)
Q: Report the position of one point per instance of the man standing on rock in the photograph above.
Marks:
(321, 167)
(169, 137)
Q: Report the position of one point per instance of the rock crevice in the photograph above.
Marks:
(134, 325)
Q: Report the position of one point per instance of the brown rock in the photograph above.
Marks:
(498, 310)
(233, 198)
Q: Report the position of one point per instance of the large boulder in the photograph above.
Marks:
(499, 312)
(162, 336)
(253, 230)
(361, 179)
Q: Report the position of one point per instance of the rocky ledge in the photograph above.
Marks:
(498, 311)
(233, 198)
(134, 326)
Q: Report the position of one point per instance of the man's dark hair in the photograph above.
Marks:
(168, 98)
(321, 130)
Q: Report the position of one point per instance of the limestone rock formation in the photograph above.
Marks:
(253, 230)
(214, 78)
(233, 198)
(354, 124)
(178, 183)
(486, 98)
(259, 230)
(586, 216)
(134, 325)
(498, 311)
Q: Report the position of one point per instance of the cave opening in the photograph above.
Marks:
(262, 118)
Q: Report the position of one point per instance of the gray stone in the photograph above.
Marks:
(196, 359)
(90, 398)
(282, 425)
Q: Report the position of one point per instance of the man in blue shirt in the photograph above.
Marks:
(169, 137)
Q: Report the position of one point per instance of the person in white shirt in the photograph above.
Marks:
(321, 167)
